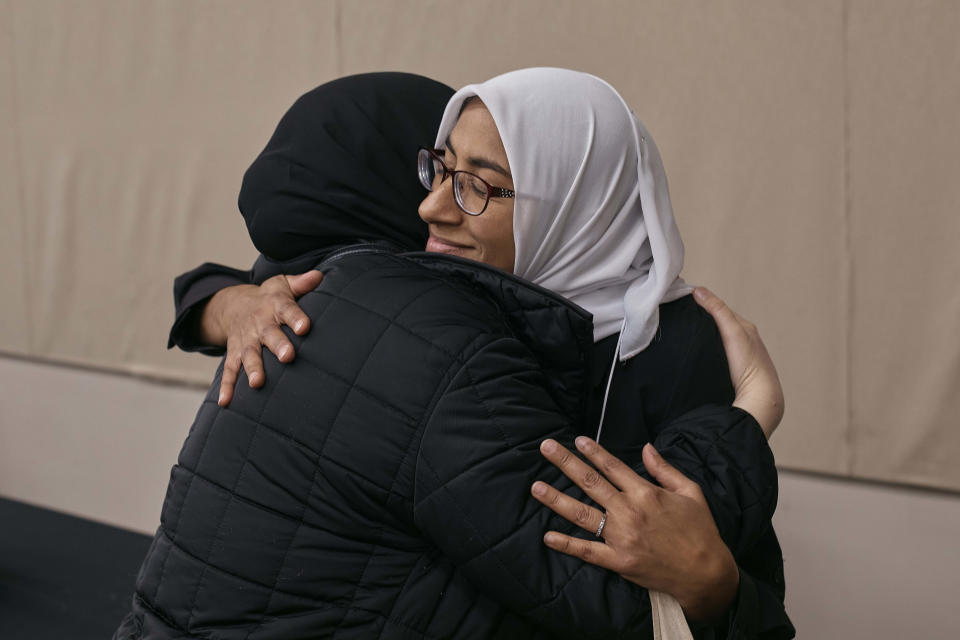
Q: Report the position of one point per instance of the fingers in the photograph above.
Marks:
(304, 283)
(585, 476)
(667, 475)
(732, 331)
(290, 314)
(231, 369)
(253, 320)
(596, 553)
(275, 340)
(286, 290)
(710, 301)
(245, 353)
(253, 364)
(584, 516)
(249, 359)
(612, 467)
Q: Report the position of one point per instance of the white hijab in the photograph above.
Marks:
(592, 218)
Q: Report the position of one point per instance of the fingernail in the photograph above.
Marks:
(700, 294)
(584, 443)
(653, 450)
(539, 488)
(284, 351)
(221, 398)
(550, 537)
(548, 446)
(298, 327)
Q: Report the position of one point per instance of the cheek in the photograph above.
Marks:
(496, 240)
(510, 253)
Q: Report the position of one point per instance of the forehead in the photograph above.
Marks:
(475, 141)
(476, 129)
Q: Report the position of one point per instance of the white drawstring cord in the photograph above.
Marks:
(606, 393)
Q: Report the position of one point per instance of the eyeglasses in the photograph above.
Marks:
(471, 192)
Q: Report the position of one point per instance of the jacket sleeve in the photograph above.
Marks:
(757, 613)
(191, 291)
(723, 449)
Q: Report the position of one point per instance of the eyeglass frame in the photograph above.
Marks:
(492, 191)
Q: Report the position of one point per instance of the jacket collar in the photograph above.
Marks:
(558, 332)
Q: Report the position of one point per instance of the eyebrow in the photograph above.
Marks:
(483, 163)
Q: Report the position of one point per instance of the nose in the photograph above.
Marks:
(439, 207)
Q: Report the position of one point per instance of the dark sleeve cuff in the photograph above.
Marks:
(757, 614)
(191, 291)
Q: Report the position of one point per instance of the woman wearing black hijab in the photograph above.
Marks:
(295, 184)
(301, 205)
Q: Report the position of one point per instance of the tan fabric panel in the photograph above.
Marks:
(136, 122)
(905, 207)
(794, 135)
(13, 319)
(745, 102)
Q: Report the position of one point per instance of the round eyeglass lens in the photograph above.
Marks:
(471, 193)
(427, 168)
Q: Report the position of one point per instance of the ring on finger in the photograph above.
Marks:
(603, 523)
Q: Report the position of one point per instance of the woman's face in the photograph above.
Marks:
(473, 145)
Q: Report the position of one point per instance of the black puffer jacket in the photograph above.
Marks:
(378, 486)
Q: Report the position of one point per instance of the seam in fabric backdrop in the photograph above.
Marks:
(17, 133)
(849, 450)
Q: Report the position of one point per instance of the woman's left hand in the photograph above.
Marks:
(662, 538)
(755, 381)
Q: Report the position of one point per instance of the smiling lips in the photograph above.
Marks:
(437, 245)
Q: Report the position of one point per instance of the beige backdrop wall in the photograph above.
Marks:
(811, 149)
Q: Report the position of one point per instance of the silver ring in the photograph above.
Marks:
(603, 522)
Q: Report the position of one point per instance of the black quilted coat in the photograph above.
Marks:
(378, 486)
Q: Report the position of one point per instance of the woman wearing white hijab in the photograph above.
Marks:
(576, 201)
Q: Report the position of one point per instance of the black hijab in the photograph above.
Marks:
(341, 167)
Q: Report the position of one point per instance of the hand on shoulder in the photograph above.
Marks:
(755, 380)
(246, 318)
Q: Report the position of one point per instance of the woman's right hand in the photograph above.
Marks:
(755, 381)
(244, 318)
(659, 537)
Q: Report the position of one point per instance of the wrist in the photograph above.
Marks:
(713, 596)
(210, 328)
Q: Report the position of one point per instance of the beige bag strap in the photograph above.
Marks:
(669, 622)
